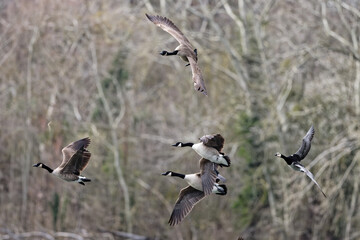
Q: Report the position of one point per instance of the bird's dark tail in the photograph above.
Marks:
(84, 179)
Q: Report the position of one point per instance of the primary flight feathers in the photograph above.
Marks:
(306, 144)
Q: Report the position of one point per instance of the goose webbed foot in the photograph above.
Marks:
(82, 183)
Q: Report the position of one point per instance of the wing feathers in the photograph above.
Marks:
(310, 175)
(306, 143)
(188, 197)
(199, 83)
(215, 140)
(168, 26)
(72, 148)
(185, 47)
(75, 157)
(208, 175)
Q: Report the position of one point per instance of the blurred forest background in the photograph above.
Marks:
(71, 69)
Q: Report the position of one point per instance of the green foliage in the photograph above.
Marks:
(63, 210)
(118, 77)
(54, 205)
(253, 194)
(251, 198)
(98, 112)
(107, 166)
(118, 69)
(243, 132)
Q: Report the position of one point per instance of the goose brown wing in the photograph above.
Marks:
(216, 141)
(77, 162)
(188, 197)
(75, 156)
(197, 77)
(208, 175)
(168, 26)
(306, 144)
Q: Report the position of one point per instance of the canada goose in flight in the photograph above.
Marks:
(75, 159)
(200, 185)
(209, 147)
(294, 160)
(185, 50)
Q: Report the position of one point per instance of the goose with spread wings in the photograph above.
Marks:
(200, 185)
(75, 159)
(294, 160)
(185, 50)
(209, 147)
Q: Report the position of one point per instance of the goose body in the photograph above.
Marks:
(204, 180)
(75, 159)
(293, 160)
(200, 185)
(185, 50)
(209, 147)
(194, 180)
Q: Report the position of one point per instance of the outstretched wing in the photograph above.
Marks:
(197, 77)
(306, 144)
(188, 197)
(208, 175)
(215, 140)
(168, 26)
(310, 175)
(75, 156)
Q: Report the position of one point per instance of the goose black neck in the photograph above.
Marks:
(174, 174)
(288, 160)
(187, 144)
(47, 168)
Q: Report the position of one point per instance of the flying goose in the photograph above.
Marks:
(185, 50)
(209, 147)
(200, 185)
(293, 160)
(75, 159)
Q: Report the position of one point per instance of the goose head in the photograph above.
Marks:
(178, 144)
(167, 173)
(38, 165)
(278, 154)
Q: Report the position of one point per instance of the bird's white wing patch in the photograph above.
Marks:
(310, 175)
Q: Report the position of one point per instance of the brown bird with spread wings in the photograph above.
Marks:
(185, 50)
(75, 159)
(200, 184)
